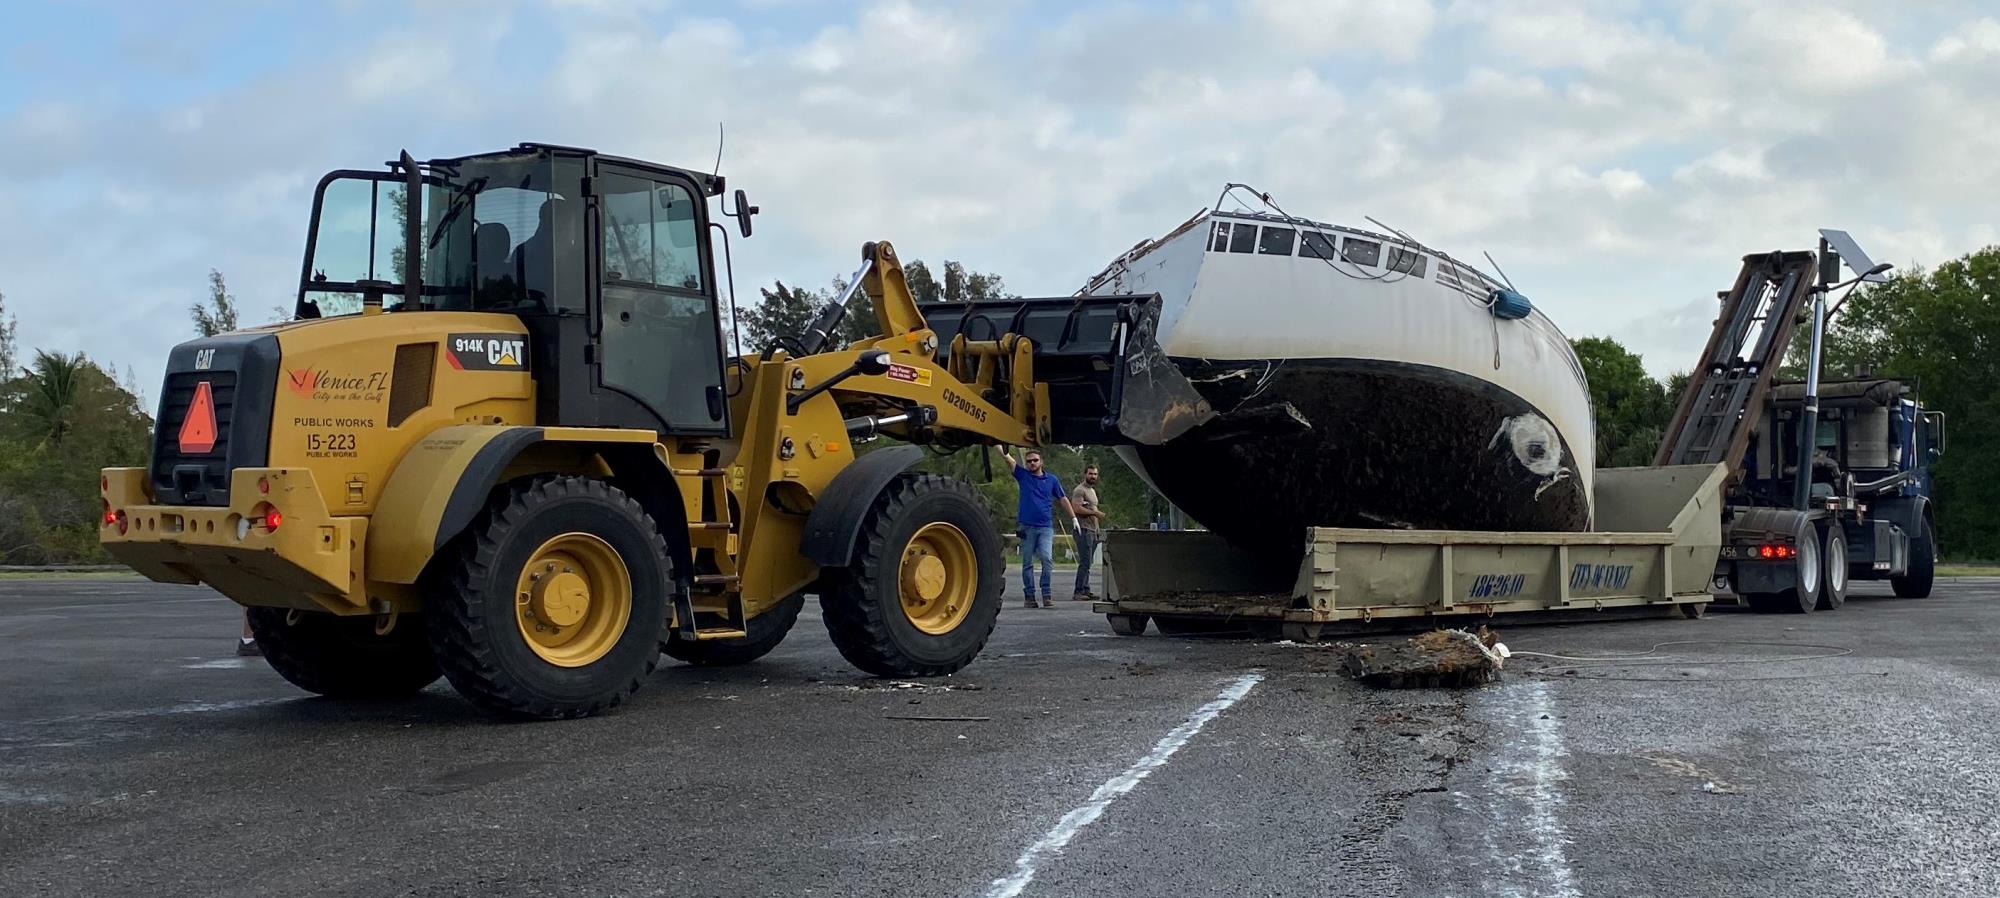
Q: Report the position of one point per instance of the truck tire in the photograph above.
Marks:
(1833, 568)
(765, 631)
(342, 657)
(1808, 573)
(554, 603)
(922, 593)
(1916, 580)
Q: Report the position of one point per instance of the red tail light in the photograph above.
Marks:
(1766, 552)
(272, 519)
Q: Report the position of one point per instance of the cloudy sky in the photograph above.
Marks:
(1616, 156)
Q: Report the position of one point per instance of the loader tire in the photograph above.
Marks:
(765, 632)
(922, 592)
(1916, 580)
(554, 603)
(342, 657)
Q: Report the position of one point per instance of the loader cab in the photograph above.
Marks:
(605, 260)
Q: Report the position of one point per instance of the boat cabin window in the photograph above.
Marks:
(1406, 261)
(1276, 242)
(1316, 246)
(1234, 237)
(1361, 252)
(1243, 239)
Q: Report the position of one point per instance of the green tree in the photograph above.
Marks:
(1940, 330)
(1632, 408)
(780, 311)
(51, 391)
(60, 423)
(218, 315)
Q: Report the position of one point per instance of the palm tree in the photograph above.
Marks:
(52, 386)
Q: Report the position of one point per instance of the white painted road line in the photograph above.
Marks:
(1087, 813)
(1526, 846)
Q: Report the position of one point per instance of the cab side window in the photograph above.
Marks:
(649, 234)
(661, 341)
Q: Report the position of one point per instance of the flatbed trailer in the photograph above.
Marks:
(1656, 552)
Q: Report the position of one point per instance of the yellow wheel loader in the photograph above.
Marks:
(501, 441)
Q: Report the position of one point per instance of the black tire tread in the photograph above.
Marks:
(1917, 581)
(341, 657)
(1829, 598)
(463, 637)
(858, 627)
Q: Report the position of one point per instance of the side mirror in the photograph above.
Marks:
(872, 363)
(743, 211)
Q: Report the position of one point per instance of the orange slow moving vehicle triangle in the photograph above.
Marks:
(198, 428)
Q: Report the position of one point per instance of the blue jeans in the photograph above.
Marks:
(1086, 545)
(1037, 542)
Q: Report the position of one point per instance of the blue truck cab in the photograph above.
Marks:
(1874, 445)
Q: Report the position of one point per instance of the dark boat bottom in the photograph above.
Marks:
(1349, 443)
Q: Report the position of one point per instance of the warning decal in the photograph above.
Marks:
(910, 374)
(197, 435)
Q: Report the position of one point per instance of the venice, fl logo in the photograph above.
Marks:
(325, 384)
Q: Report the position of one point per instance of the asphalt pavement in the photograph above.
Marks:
(139, 756)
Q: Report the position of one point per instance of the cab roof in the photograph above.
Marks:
(711, 184)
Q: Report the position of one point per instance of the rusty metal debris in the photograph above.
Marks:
(1437, 659)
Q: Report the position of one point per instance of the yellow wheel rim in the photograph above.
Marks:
(572, 599)
(938, 578)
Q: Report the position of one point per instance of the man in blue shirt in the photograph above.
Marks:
(1040, 492)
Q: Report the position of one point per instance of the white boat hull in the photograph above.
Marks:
(1356, 395)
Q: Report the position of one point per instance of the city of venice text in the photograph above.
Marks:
(324, 385)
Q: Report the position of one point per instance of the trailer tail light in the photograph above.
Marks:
(272, 519)
(1776, 551)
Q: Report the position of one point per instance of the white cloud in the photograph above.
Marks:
(1981, 38)
(1617, 158)
(1396, 30)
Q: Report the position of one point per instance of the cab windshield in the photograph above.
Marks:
(499, 233)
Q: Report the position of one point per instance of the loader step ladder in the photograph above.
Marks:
(709, 540)
(1713, 421)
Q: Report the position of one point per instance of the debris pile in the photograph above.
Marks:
(1440, 658)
